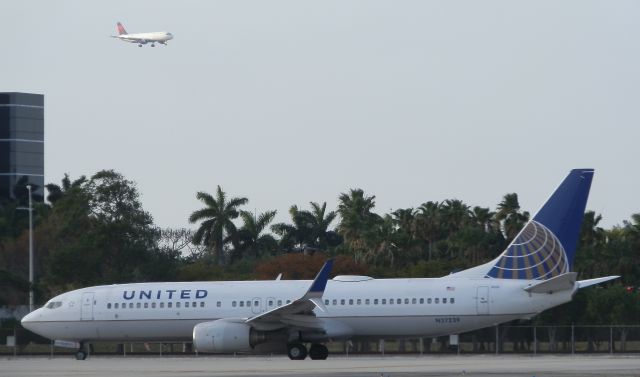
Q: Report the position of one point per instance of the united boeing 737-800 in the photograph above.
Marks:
(161, 37)
(533, 274)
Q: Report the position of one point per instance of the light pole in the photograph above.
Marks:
(30, 251)
(30, 209)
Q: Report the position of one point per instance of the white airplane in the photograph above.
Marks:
(533, 274)
(161, 37)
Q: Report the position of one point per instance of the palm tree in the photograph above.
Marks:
(217, 227)
(322, 236)
(454, 214)
(308, 228)
(510, 217)
(428, 223)
(58, 192)
(358, 222)
(250, 237)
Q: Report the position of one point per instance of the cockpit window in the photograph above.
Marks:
(54, 304)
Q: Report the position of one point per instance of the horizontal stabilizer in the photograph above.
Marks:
(559, 283)
(590, 282)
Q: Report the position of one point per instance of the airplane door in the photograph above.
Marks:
(482, 300)
(86, 309)
(256, 305)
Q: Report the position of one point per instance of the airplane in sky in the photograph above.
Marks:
(533, 274)
(143, 38)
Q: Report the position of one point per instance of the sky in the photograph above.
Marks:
(287, 102)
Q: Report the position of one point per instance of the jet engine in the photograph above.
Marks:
(227, 336)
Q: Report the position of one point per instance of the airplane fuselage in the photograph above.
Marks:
(355, 307)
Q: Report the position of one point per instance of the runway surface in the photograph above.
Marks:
(389, 366)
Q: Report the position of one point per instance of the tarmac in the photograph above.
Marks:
(388, 366)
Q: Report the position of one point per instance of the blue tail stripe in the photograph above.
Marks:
(564, 211)
(551, 236)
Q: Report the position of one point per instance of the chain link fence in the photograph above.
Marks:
(495, 340)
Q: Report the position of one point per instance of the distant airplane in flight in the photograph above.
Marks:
(143, 38)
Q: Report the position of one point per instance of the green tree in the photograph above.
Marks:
(56, 192)
(358, 223)
(216, 227)
(251, 239)
(510, 217)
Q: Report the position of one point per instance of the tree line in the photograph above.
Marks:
(94, 230)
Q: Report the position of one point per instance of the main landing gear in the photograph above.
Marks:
(153, 45)
(298, 351)
(81, 354)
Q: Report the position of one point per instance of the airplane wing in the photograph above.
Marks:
(298, 313)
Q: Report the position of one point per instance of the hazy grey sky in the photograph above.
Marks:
(287, 102)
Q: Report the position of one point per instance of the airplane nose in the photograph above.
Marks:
(27, 320)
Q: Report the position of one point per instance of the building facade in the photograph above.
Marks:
(21, 145)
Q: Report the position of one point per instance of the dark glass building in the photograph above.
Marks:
(21, 145)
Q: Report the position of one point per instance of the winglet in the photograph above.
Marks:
(320, 282)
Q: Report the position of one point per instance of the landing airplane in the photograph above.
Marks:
(143, 38)
(533, 274)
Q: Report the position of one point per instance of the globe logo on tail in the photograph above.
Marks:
(536, 253)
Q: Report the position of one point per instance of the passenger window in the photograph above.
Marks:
(153, 305)
(326, 302)
(218, 304)
(444, 300)
(194, 304)
(233, 304)
(178, 304)
(406, 300)
(124, 305)
(366, 301)
(109, 306)
(413, 301)
(138, 305)
(146, 305)
(359, 301)
(390, 301)
(116, 305)
(421, 300)
(429, 300)
(131, 305)
(384, 301)
(202, 304)
(256, 303)
(169, 304)
(270, 302)
(399, 301)
(186, 304)
(335, 301)
(342, 301)
(437, 300)
(242, 304)
(248, 304)
(375, 301)
(350, 301)
(288, 301)
(279, 302)
(451, 300)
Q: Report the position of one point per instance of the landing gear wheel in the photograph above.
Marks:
(318, 352)
(81, 355)
(152, 45)
(140, 45)
(296, 351)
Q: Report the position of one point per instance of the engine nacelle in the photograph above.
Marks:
(226, 336)
(222, 336)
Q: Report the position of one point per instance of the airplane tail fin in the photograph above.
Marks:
(121, 29)
(546, 246)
